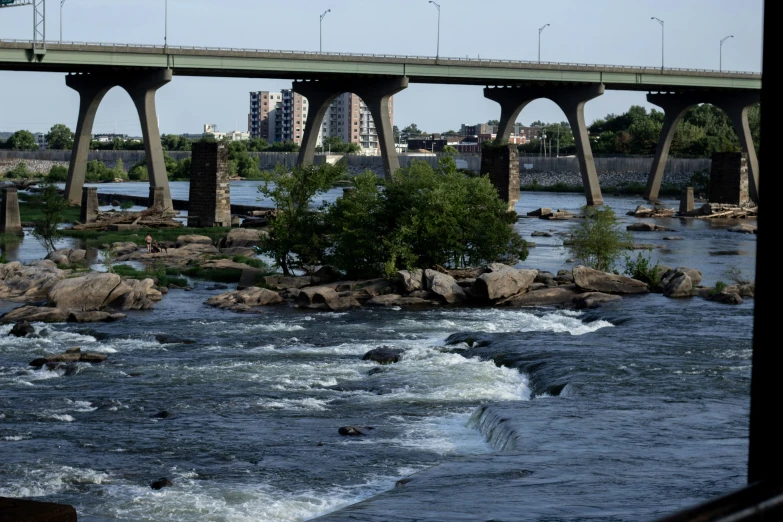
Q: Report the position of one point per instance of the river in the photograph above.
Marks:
(627, 412)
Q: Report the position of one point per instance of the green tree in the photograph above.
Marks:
(182, 171)
(52, 206)
(22, 140)
(19, 172)
(59, 137)
(598, 240)
(57, 174)
(297, 236)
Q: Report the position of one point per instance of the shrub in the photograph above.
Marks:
(57, 174)
(598, 240)
(735, 274)
(642, 269)
(720, 286)
(51, 206)
(125, 205)
(19, 172)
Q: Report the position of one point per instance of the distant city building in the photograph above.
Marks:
(107, 138)
(210, 129)
(281, 117)
(40, 139)
(483, 131)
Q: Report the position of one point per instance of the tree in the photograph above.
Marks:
(59, 137)
(598, 240)
(412, 131)
(297, 237)
(51, 206)
(57, 174)
(22, 140)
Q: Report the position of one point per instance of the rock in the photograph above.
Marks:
(564, 276)
(666, 276)
(218, 286)
(163, 414)
(596, 281)
(28, 282)
(673, 238)
(327, 274)
(353, 431)
(541, 234)
(67, 256)
(161, 483)
(22, 329)
(85, 293)
(383, 355)
(444, 286)
(648, 227)
(115, 203)
(543, 276)
(498, 267)
(747, 290)
(35, 314)
(373, 287)
(244, 300)
(134, 294)
(242, 237)
(501, 284)
(560, 295)
(325, 298)
(593, 300)
(678, 285)
(236, 221)
(411, 280)
(540, 212)
(168, 339)
(124, 248)
(726, 298)
(281, 282)
(255, 222)
(744, 228)
(69, 357)
(93, 357)
(193, 239)
(94, 317)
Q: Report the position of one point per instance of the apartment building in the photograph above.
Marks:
(282, 117)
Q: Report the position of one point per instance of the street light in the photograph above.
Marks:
(720, 63)
(320, 31)
(166, 24)
(437, 53)
(61, 20)
(540, 30)
(660, 22)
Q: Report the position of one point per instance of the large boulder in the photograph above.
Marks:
(411, 280)
(398, 300)
(501, 284)
(245, 300)
(85, 293)
(593, 300)
(121, 248)
(134, 294)
(383, 355)
(325, 298)
(561, 295)
(591, 280)
(744, 228)
(648, 227)
(669, 273)
(94, 317)
(444, 286)
(243, 237)
(35, 314)
(28, 282)
(193, 239)
(67, 256)
(282, 282)
(678, 285)
(22, 329)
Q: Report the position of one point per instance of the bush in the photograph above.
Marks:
(720, 286)
(52, 206)
(138, 172)
(598, 240)
(125, 205)
(19, 172)
(57, 174)
(642, 269)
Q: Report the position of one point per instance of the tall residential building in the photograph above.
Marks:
(282, 116)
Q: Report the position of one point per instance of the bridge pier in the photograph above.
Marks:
(674, 105)
(376, 94)
(141, 86)
(572, 100)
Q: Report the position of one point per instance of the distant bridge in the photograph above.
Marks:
(94, 68)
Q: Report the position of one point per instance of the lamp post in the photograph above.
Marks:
(540, 30)
(61, 20)
(166, 24)
(437, 53)
(320, 31)
(660, 22)
(720, 63)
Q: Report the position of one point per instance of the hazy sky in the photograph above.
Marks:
(618, 32)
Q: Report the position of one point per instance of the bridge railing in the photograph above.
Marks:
(653, 69)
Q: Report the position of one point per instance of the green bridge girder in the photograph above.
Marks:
(79, 58)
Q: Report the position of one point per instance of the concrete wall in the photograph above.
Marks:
(360, 162)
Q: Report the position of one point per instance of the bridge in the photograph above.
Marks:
(94, 68)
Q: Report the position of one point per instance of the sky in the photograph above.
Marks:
(616, 32)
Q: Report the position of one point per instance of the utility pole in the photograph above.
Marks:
(61, 20)
(540, 30)
(660, 22)
(720, 63)
(166, 24)
(437, 53)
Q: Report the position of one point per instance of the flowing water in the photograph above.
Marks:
(627, 412)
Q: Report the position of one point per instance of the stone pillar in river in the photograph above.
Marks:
(210, 196)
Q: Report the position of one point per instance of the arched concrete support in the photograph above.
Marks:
(734, 104)
(375, 92)
(674, 106)
(141, 86)
(571, 100)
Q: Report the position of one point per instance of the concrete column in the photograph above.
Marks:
(91, 89)
(674, 107)
(501, 163)
(209, 204)
(375, 92)
(686, 200)
(10, 220)
(736, 106)
(572, 100)
(142, 89)
(89, 210)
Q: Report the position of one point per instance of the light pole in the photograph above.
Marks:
(540, 30)
(720, 63)
(166, 23)
(437, 53)
(660, 22)
(320, 31)
(61, 20)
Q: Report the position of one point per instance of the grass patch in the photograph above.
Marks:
(29, 211)
(223, 275)
(9, 239)
(93, 238)
(254, 262)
